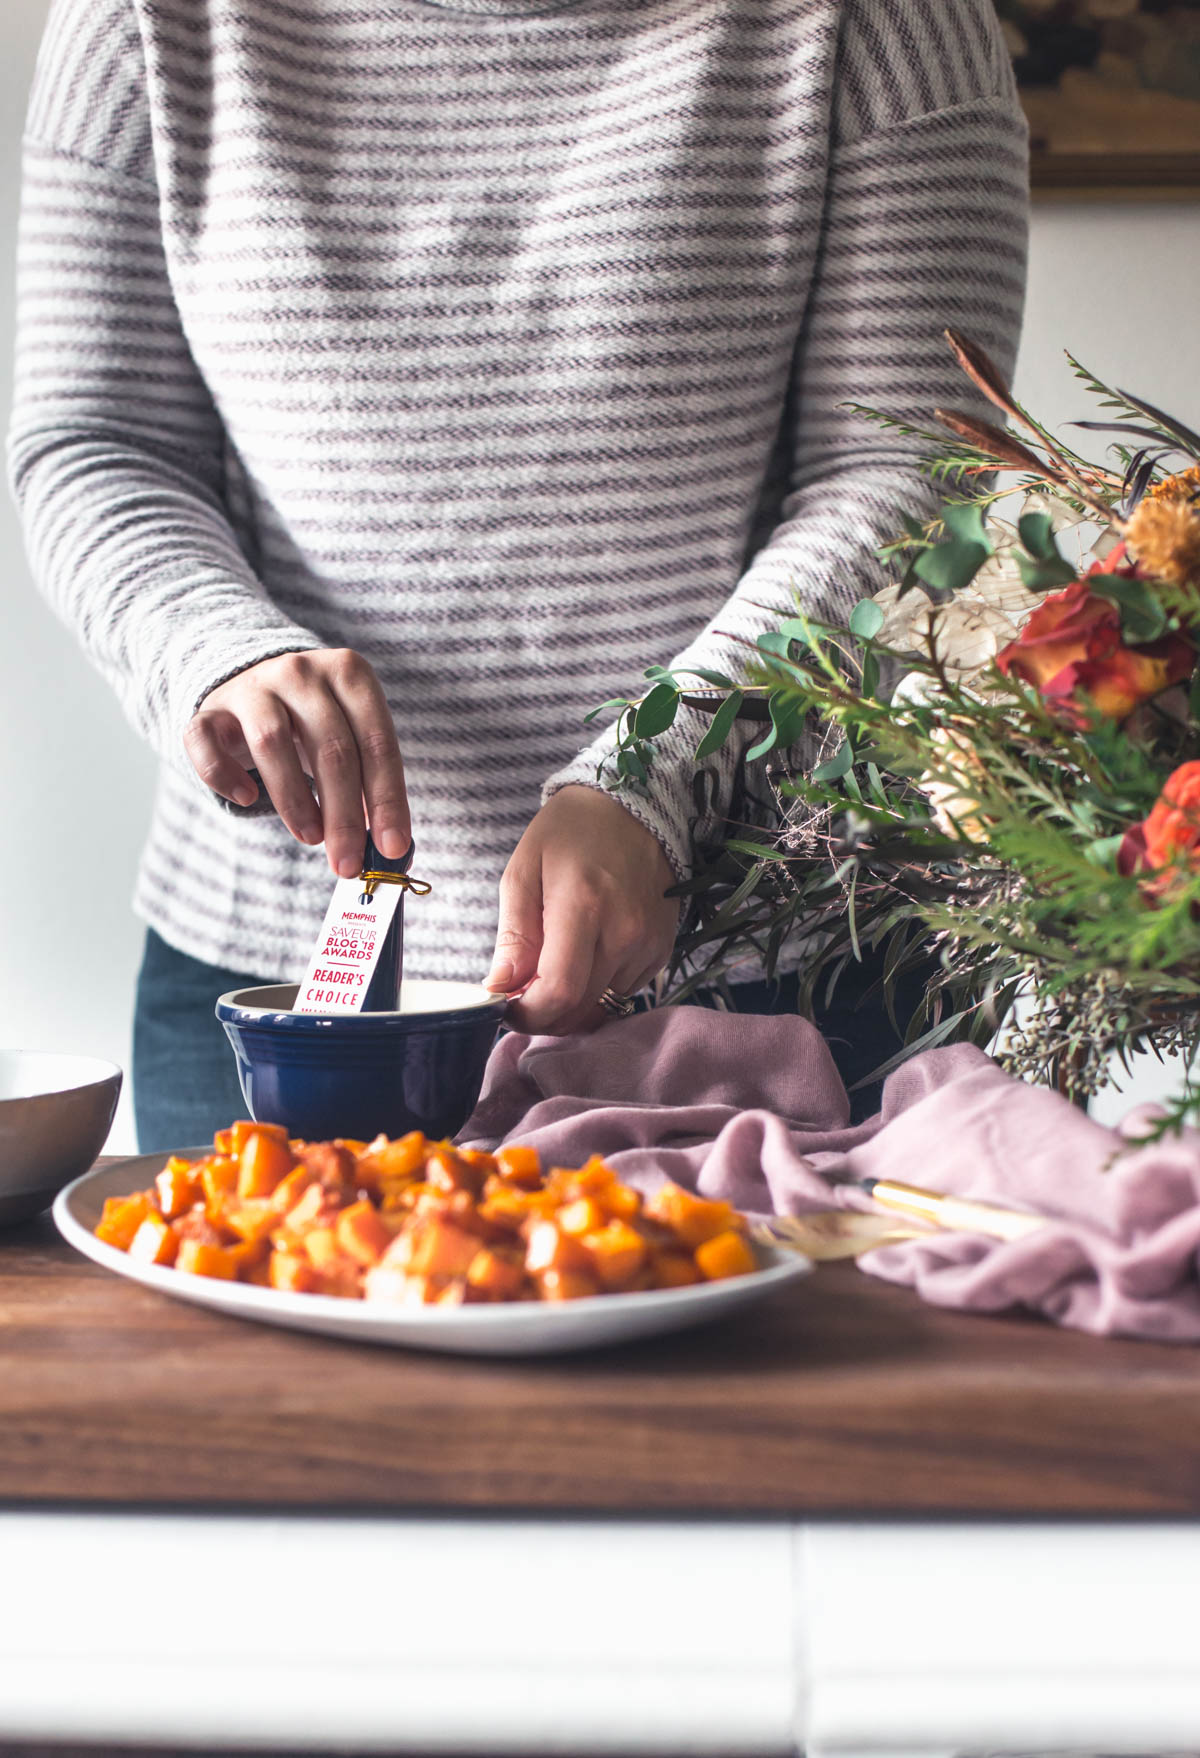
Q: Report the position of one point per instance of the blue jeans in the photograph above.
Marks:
(185, 1083)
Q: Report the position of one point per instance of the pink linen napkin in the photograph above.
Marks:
(750, 1108)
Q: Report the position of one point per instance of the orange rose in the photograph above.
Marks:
(1117, 562)
(1168, 838)
(1071, 648)
(1060, 632)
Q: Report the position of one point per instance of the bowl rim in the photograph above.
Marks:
(231, 1009)
(107, 1071)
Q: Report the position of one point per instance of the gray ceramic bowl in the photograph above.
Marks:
(55, 1112)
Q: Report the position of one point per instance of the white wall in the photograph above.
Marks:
(1117, 284)
(74, 780)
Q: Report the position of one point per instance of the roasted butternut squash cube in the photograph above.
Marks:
(520, 1166)
(486, 1162)
(691, 1218)
(248, 1255)
(618, 1252)
(674, 1269)
(253, 1219)
(446, 1170)
(307, 1211)
(122, 1216)
(595, 1178)
(195, 1223)
(335, 1168)
(155, 1242)
(245, 1127)
(177, 1187)
(495, 1276)
(403, 1158)
(223, 1142)
(397, 1193)
(341, 1280)
(582, 1216)
(549, 1248)
(509, 1207)
(199, 1259)
(322, 1249)
(399, 1253)
(291, 1188)
(622, 1202)
(263, 1159)
(568, 1285)
(728, 1254)
(441, 1249)
(387, 1283)
(218, 1179)
(361, 1234)
(456, 1206)
(291, 1273)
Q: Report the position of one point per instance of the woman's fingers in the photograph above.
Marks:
(362, 701)
(213, 740)
(328, 707)
(519, 935)
(571, 971)
(621, 983)
(585, 896)
(329, 746)
(270, 736)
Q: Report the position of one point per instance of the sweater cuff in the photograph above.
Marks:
(664, 807)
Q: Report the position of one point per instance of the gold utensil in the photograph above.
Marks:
(952, 1214)
(836, 1233)
(842, 1233)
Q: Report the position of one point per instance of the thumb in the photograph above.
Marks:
(519, 935)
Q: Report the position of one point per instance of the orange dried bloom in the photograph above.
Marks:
(1072, 648)
(1184, 486)
(1168, 838)
(1164, 533)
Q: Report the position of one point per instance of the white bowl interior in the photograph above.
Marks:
(35, 1074)
(417, 995)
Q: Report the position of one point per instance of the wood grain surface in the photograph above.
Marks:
(840, 1396)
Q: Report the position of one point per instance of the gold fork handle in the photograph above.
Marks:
(955, 1214)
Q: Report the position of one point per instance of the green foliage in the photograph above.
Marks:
(657, 712)
(866, 619)
(1143, 614)
(721, 726)
(1014, 877)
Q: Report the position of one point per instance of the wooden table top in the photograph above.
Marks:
(839, 1396)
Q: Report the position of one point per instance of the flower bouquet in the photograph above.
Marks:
(1010, 756)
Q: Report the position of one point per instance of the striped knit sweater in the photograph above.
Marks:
(502, 340)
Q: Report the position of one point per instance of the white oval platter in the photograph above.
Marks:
(533, 1327)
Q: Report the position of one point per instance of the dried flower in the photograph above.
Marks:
(969, 629)
(951, 792)
(1164, 533)
(1185, 486)
(1071, 650)
(1167, 841)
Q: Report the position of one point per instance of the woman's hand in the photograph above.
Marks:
(581, 910)
(324, 713)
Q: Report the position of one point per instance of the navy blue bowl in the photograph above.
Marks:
(357, 1075)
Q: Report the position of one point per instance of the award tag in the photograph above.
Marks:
(348, 948)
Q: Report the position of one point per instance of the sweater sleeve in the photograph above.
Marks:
(117, 455)
(925, 228)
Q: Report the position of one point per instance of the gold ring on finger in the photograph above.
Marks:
(620, 1006)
